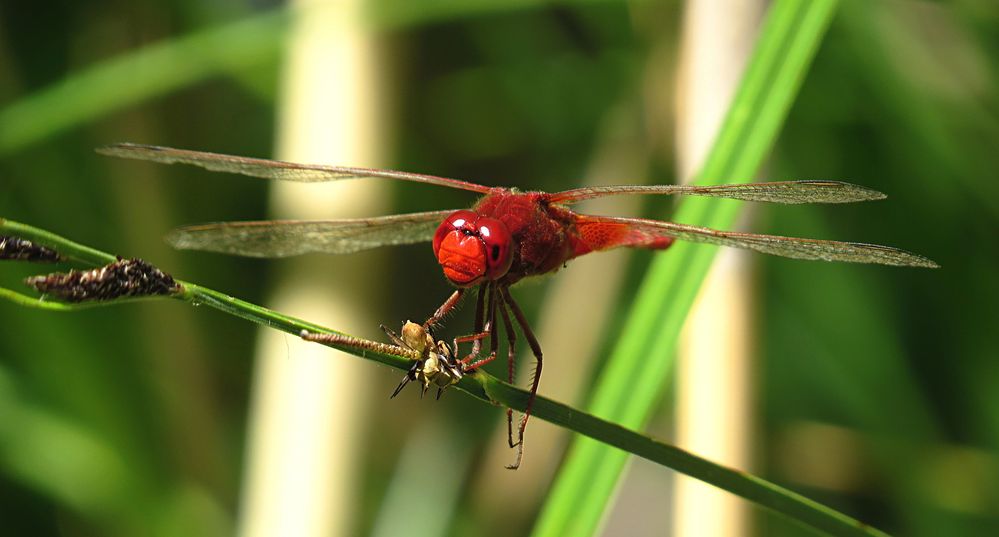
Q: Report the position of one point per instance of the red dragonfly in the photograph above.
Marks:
(506, 236)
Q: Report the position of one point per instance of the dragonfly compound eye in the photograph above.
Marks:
(461, 221)
(499, 246)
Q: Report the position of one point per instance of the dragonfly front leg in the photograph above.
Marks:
(471, 361)
(476, 340)
(445, 308)
(481, 330)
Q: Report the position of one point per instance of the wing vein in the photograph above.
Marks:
(273, 169)
(797, 248)
(788, 192)
(283, 238)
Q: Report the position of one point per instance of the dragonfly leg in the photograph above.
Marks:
(491, 321)
(536, 349)
(476, 340)
(511, 354)
(444, 309)
(488, 330)
(481, 331)
(479, 363)
(480, 309)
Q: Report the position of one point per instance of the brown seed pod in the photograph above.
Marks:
(18, 249)
(122, 278)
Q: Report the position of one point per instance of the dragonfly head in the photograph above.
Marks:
(472, 248)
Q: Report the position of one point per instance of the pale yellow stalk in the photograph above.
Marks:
(308, 408)
(714, 396)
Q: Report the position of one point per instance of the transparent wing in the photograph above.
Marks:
(272, 169)
(283, 238)
(648, 233)
(775, 192)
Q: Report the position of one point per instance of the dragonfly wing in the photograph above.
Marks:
(790, 192)
(283, 238)
(272, 169)
(642, 233)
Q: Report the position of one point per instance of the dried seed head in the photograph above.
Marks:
(20, 249)
(123, 278)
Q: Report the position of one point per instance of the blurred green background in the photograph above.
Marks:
(878, 388)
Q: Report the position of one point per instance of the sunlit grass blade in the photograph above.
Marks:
(640, 365)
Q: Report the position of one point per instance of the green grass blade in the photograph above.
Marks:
(640, 365)
(482, 386)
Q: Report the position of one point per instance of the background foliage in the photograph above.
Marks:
(878, 388)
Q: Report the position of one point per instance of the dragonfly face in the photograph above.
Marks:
(472, 248)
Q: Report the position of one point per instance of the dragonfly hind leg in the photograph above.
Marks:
(532, 341)
(511, 355)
